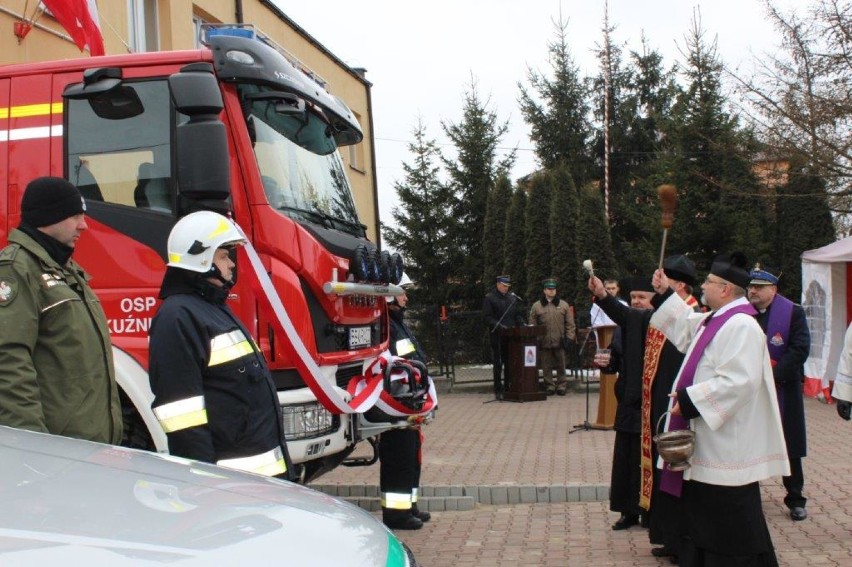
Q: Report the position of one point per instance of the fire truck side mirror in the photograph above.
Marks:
(201, 145)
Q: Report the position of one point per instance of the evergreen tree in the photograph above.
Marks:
(424, 222)
(720, 206)
(514, 247)
(803, 222)
(495, 228)
(641, 98)
(472, 175)
(564, 263)
(556, 109)
(537, 232)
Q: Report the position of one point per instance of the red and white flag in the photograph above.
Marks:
(80, 20)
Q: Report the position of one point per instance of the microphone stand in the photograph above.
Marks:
(499, 346)
(585, 426)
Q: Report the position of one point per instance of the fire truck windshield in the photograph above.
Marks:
(296, 154)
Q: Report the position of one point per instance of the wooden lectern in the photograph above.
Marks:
(606, 398)
(522, 366)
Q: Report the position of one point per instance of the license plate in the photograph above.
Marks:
(359, 337)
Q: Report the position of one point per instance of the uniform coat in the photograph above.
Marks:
(789, 373)
(557, 319)
(501, 311)
(399, 449)
(213, 392)
(56, 367)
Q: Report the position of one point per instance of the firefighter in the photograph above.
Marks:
(399, 449)
(213, 392)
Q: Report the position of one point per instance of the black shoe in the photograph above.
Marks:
(403, 521)
(551, 391)
(798, 513)
(561, 391)
(420, 514)
(625, 522)
(663, 552)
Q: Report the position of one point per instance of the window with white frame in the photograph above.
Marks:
(142, 25)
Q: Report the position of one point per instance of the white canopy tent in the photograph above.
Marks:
(826, 297)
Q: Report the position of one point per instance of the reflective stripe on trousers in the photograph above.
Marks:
(396, 500)
(270, 463)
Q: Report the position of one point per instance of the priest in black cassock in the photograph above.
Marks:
(633, 322)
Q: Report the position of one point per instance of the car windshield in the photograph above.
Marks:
(297, 156)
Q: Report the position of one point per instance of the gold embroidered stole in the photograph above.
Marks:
(654, 342)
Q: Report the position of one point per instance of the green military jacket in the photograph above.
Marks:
(557, 318)
(56, 367)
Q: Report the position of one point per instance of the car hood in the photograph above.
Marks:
(67, 500)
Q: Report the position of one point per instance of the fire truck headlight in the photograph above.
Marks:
(305, 421)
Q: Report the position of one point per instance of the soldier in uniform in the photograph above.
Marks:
(555, 314)
(56, 366)
(213, 392)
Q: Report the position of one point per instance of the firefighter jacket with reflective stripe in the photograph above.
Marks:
(56, 367)
(402, 341)
(213, 393)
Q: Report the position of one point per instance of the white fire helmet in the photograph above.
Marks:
(194, 239)
(404, 282)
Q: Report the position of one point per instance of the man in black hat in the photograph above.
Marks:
(789, 343)
(627, 360)
(502, 310)
(725, 393)
(56, 367)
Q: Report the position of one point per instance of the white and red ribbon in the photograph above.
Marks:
(366, 390)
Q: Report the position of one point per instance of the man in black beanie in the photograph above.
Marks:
(56, 367)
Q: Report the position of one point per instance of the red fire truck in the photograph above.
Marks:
(237, 127)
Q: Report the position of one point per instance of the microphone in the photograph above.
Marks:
(516, 296)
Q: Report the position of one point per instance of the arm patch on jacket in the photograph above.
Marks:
(8, 291)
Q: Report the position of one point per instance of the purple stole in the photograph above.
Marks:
(778, 335)
(672, 481)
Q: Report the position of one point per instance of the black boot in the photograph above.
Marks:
(401, 520)
(419, 514)
(626, 521)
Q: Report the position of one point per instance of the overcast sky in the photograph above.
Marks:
(420, 56)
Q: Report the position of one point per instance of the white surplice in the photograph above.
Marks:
(843, 381)
(738, 437)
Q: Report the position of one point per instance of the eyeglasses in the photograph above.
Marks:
(707, 280)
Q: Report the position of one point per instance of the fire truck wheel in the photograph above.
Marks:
(136, 435)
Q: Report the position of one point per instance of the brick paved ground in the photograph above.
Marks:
(509, 444)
